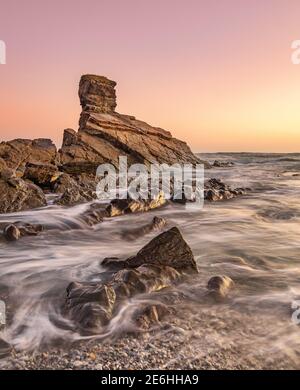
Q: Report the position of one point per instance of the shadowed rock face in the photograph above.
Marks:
(158, 265)
(104, 134)
(168, 249)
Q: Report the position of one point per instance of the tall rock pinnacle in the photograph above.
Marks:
(97, 94)
(105, 134)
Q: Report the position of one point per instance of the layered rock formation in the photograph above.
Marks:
(17, 153)
(29, 166)
(104, 134)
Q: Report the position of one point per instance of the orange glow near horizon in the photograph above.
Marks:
(217, 75)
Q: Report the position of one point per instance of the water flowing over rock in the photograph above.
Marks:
(159, 264)
(219, 286)
(156, 224)
(215, 190)
(16, 230)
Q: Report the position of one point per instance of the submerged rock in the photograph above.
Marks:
(215, 190)
(17, 194)
(160, 264)
(157, 223)
(16, 230)
(219, 286)
(222, 164)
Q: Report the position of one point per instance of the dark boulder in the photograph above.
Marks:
(160, 264)
(41, 174)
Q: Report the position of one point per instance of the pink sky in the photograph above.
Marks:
(218, 74)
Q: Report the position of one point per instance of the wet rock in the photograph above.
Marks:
(90, 304)
(41, 174)
(157, 223)
(17, 194)
(170, 249)
(93, 305)
(222, 164)
(219, 286)
(167, 249)
(126, 206)
(157, 266)
(147, 315)
(215, 190)
(15, 231)
(94, 214)
(11, 233)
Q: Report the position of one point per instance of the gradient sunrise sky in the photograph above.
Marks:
(216, 73)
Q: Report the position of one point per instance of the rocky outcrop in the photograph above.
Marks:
(74, 189)
(104, 134)
(17, 194)
(18, 152)
(161, 263)
(96, 212)
(127, 206)
(168, 248)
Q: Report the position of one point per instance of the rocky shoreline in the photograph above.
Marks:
(30, 170)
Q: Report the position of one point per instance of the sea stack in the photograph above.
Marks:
(104, 134)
